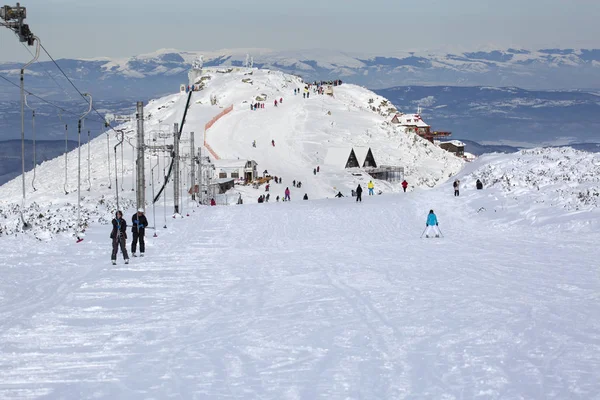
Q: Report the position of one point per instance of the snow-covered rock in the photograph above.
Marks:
(545, 186)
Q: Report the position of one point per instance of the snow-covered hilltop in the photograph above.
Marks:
(320, 130)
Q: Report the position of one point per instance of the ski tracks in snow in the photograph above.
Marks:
(306, 300)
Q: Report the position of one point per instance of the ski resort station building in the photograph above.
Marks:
(362, 157)
(241, 171)
(453, 146)
(414, 123)
(350, 157)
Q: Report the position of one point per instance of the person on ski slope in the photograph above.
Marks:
(339, 195)
(432, 225)
(213, 202)
(273, 142)
(305, 196)
(287, 194)
(119, 236)
(456, 186)
(479, 185)
(314, 171)
(138, 229)
(318, 169)
(404, 185)
(275, 103)
(359, 193)
(281, 100)
(371, 187)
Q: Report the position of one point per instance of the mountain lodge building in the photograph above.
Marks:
(415, 124)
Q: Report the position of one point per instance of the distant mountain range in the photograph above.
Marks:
(164, 70)
(507, 115)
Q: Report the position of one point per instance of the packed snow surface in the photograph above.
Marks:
(306, 300)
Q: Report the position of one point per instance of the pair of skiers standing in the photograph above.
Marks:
(359, 191)
(119, 234)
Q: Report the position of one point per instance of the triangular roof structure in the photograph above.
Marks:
(341, 157)
(365, 157)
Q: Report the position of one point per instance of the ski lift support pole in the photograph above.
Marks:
(78, 227)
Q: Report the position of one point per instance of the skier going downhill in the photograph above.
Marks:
(404, 185)
(371, 187)
(138, 228)
(432, 225)
(119, 236)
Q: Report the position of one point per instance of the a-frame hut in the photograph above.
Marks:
(365, 157)
(341, 158)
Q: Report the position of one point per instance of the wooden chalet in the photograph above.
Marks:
(414, 123)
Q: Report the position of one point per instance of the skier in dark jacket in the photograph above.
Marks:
(119, 236)
(138, 228)
(339, 195)
(479, 185)
(359, 193)
(305, 196)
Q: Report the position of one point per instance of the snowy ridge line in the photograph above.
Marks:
(209, 125)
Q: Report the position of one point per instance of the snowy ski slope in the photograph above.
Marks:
(303, 131)
(307, 299)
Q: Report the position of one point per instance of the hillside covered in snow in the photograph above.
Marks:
(318, 131)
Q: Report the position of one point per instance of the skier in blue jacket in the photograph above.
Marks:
(432, 225)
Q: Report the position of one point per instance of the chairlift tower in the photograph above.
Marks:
(14, 17)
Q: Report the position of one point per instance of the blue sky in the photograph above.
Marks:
(92, 28)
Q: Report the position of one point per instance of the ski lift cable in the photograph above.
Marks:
(33, 133)
(42, 99)
(26, 225)
(107, 124)
(50, 76)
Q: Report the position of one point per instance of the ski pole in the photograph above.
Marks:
(423, 232)
(439, 230)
